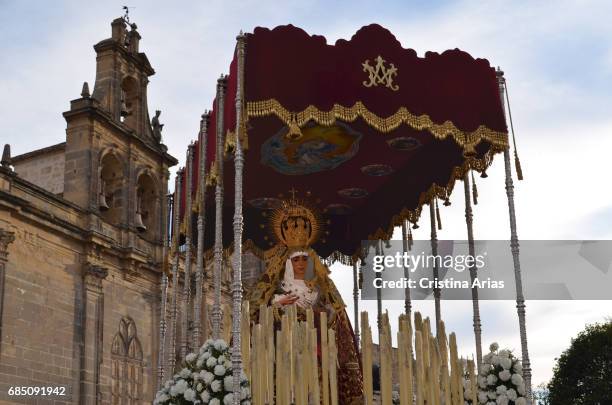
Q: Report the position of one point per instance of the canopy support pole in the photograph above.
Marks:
(216, 312)
(164, 294)
(356, 300)
(175, 265)
(473, 275)
(434, 251)
(238, 225)
(197, 309)
(187, 279)
(514, 248)
(407, 299)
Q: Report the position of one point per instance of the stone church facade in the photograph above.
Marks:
(81, 243)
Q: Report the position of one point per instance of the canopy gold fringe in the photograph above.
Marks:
(467, 140)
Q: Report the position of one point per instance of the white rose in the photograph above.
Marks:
(220, 345)
(482, 397)
(482, 382)
(190, 357)
(211, 362)
(501, 389)
(491, 379)
(494, 346)
(228, 399)
(221, 359)
(219, 370)
(200, 362)
(502, 400)
(491, 394)
(495, 360)
(228, 364)
(512, 394)
(518, 367)
(205, 396)
(491, 403)
(215, 401)
(178, 388)
(505, 362)
(215, 386)
(504, 375)
(228, 382)
(161, 398)
(504, 354)
(207, 376)
(185, 373)
(520, 401)
(517, 379)
(521, 389)
(205, 355)
(189, 395)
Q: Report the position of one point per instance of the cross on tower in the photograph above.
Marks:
(293, 191)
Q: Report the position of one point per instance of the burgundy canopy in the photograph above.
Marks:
(369, 129)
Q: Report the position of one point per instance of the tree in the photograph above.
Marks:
(583, 373)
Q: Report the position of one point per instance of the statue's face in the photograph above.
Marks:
(299, 266)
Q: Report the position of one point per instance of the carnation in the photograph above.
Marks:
(491, 379)
(504, 375)
(215, 386)
(190, 395)
(211, 362)
(228, 399)
(219, 370)
(517, 379)
(505, 362)
(512, 396)
(502, 400)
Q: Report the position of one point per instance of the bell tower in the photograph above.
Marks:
(116, 165)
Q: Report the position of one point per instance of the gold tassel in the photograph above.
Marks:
(295, 132)
(517, 165)
(474, 190)
(438, 215)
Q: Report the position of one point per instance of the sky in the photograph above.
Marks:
(557, 58)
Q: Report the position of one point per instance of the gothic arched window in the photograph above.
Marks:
(126, 365)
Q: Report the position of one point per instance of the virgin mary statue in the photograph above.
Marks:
(295, 275)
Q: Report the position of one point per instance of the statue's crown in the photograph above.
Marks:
(295, 225)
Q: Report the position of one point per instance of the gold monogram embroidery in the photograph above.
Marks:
(380, 74)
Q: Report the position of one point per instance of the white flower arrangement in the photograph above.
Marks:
(206, 379)
(501, 379)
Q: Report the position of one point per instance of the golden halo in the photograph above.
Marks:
(296, 223)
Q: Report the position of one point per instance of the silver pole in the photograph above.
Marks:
(356, 300)
(218, 265)
(514, 248)
(197, 340)
(434, 251)
(407, 299)
(176, 207)
(187, 279)
(238, 224)
(473, 275)
(164, 294)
